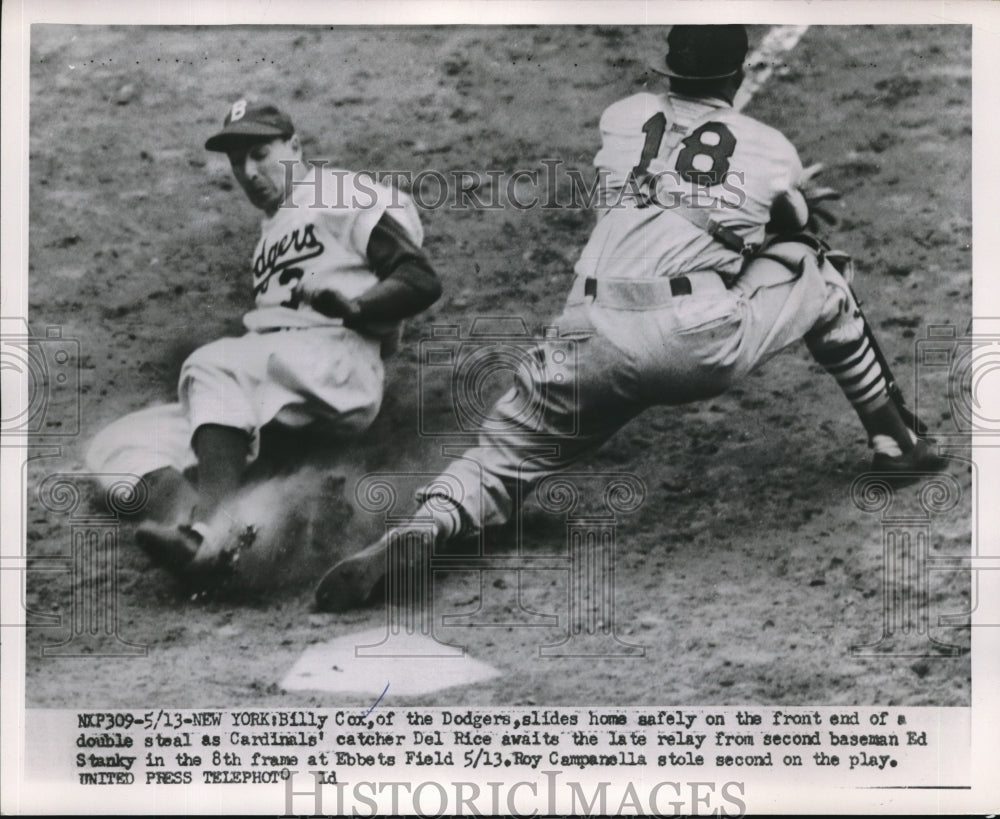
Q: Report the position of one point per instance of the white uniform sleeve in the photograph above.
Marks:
(789, 178)
(789, 204)
(768, 167)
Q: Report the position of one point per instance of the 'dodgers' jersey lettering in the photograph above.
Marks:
(293, 248)
(319, 239)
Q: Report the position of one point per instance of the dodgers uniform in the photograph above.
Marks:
(294, 365)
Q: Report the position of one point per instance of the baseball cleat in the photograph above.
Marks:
(352, 582)
(911, 466)
(170, 547)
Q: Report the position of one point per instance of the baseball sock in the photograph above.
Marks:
(445, 514)
(858, 373)
(222, 458)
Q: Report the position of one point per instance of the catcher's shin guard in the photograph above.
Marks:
(860, 371)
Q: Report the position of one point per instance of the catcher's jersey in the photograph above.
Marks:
(319, 238)
(664, 155)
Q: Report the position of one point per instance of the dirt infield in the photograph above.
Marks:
(748, 572)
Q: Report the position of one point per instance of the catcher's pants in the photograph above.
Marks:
(638, 345)
(292, 376)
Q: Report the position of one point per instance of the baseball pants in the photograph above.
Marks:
(638, 344)
(292, 376)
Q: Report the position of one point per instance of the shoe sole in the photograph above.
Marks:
(351, 582)
(899, 475)
(898, 480)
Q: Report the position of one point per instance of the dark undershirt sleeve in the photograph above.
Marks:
(407, 282)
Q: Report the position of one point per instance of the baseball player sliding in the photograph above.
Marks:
(696, 272)
(337, 267)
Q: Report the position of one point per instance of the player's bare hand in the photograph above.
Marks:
(331, 303)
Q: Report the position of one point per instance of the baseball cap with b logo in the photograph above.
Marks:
(247, 121)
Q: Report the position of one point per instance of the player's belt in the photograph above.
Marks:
(680, 286)
(645, 293)
(262, 330)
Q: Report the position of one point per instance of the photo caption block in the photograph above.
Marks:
(354, 761)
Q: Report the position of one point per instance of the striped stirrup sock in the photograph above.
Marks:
(858, 373)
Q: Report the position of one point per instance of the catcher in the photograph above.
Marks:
(337, 267)
(696, 273)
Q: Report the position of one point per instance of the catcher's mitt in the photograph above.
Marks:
(816, 197)
(803, 207)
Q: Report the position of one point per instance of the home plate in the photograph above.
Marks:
(416, 665)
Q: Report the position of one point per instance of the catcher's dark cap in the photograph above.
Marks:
(705, 52)
(247, 121)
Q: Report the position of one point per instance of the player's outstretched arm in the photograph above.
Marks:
(407, 283)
